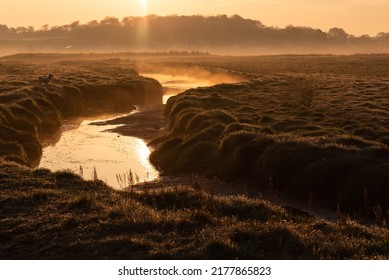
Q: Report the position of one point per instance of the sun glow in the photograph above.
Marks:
(143, 2)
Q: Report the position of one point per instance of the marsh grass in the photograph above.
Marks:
(94, 174)
(128, 179)
(317, 135)
(320, 135)
(60, 216)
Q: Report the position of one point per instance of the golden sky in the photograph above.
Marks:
(355, 16)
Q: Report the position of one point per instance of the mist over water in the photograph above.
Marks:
(173, 84)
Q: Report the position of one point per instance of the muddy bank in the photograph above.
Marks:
(148, 123)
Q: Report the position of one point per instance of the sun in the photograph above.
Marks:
(143, 6)
(143, 2)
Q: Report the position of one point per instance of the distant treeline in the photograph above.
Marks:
(156, 33)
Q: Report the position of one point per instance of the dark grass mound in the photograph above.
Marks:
(48, 215)
(287, 132)
(29, 112)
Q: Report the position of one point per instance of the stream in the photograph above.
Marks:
(95, 153)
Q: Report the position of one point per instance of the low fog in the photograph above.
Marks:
(211, 75)
(216, 34)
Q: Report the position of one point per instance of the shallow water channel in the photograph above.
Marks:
(92, 151)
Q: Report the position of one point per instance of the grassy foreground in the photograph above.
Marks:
(46, 215)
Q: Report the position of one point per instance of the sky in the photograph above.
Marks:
(356, 17)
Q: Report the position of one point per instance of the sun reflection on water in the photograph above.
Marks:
(88, 147)
(143, 152)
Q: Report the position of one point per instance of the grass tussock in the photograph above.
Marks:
(48, 215)
(30, 112)
(310, 135)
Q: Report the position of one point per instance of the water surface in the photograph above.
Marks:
(86, 148)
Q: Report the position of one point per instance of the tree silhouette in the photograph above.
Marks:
(175, 32)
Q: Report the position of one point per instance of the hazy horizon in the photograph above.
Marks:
(355, 17)
(214, 34)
